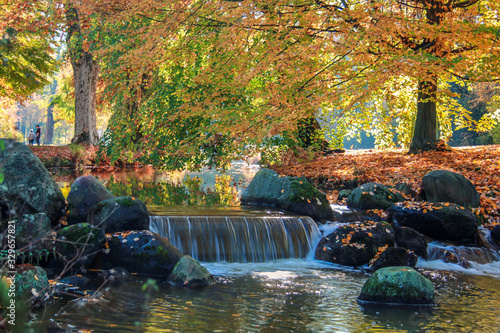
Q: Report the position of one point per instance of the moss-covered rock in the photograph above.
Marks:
(355, 244)
(397, 285)
(30, 281)
(120, 214)
(293, 194)
(79, 243)
(189, 273)
(85, 192)
(28, 188)
(33, 231)
(372, 196)
(141, 252)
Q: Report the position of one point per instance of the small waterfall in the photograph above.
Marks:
(237, 238)
(467, 257)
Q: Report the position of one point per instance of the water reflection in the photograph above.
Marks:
(303, 296)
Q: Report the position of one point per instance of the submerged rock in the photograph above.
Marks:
(28, 188)
(188, 272)
(141, 252)
(294, 194)
(397, 285)
(372, 196)
(448, 186)
(119, 214)
(355, 244)
(85, 192)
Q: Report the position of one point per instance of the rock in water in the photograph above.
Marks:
(28, 186)
(119, 214)
(294, 194)
(188, 272)
(397, 285)
(85, 192)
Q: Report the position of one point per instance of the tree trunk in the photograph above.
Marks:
(85, 72)
(425, 132)
(50, 116)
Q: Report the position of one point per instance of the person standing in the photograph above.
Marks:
(37, 134)
(31, 137)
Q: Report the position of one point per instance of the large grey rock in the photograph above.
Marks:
(33, 232)
(119, 214)
(28, 188)
(85, 192)
(446, 221)
(372, 196)
(189, 273)
(294, 194)
(448, 186)
(355, 244)
(142, 252)
(397, 285)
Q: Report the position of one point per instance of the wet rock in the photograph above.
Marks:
(448, 186)
(78, 281)
(294, 194)
(28, 188)
(410, 239)
(189, 273)
(85, 192)
(355, 244)
(78, 245)
(113, 276)
(397, 285)
(440, 221)
(495, 234)
(142, 252)
(372, 196)
(344, 194)
(119, 214)
(395, 256)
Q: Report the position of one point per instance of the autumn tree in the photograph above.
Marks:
(85, 72)
(265, 66)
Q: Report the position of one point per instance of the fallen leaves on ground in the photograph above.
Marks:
(480, 164)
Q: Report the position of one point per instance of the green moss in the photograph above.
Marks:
(301, 190)
(126, 201)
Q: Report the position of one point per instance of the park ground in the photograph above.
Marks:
(332, 173)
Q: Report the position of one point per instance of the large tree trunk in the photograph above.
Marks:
(85, 71)
(424, 134)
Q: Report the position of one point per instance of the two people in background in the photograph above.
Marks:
(32, 136)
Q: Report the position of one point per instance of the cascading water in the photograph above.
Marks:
(237, 238)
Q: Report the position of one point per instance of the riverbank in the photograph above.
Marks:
(331, 174)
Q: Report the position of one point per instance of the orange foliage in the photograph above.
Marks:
(481, 165)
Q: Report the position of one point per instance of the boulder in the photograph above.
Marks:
(355, 244)
(372, 196)
(79, 244)
(33, 232)
(397, 285)
(440, 221)
(294, 194)
(395, 256)
(30, 281)
(495, 234)
(344, 194)
(28, 188)
(410, 239)
(448, 186)
(141, 252)
(189, 273)
(119, 214)
(85, 192)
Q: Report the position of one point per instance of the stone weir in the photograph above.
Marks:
(238, 238)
